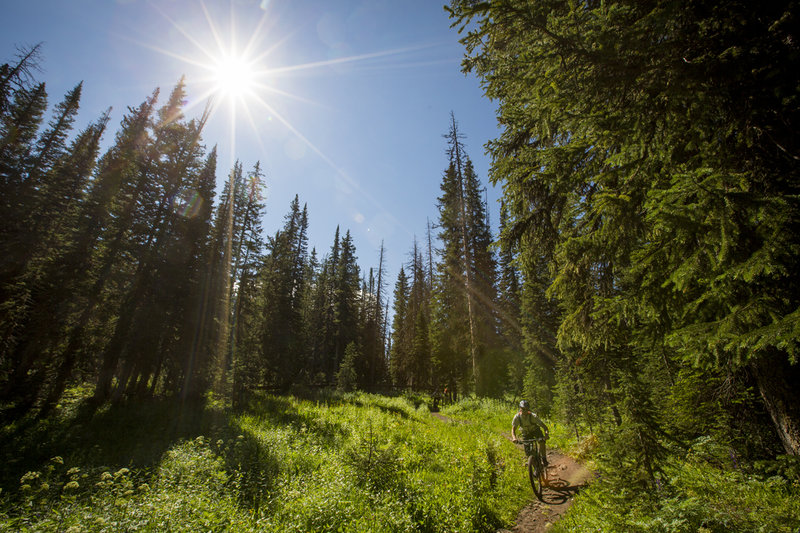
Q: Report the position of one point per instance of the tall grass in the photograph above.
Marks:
(353, 462)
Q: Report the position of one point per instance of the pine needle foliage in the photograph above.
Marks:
(649, 164)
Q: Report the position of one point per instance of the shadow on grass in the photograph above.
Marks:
(390, 409)
(137, 434)
(281, 411)
(133, 435)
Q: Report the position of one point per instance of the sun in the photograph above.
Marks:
(239, 74)
(234, 76)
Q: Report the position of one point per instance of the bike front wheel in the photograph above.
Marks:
(536, 475)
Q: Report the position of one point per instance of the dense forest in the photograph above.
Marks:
(644, 286)
(649, 161)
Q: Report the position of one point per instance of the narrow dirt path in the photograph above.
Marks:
(441, 417)
(566, 478)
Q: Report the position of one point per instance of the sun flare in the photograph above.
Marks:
(240, 74)
(234, 76)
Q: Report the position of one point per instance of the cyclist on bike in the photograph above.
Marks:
(532, 428)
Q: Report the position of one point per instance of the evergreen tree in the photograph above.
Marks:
(315, 318)
(283, 345)
(16, 76)
(465, 293)
(378, 370)
(58, 215)
(244, 253)
(84, 269)
(195, 353)
(51, 146)
(330, 321)
(346, 300)
(347, 376)
(18, 127)
(145, 230)
(400, 350)
(420, 352)
(659, 177)
(417, 318)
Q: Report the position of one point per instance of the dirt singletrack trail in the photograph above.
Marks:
(566, 477)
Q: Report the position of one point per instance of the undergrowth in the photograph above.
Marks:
(703, 489)
(352, 462)
(349, 462)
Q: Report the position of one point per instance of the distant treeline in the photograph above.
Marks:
(120, 269)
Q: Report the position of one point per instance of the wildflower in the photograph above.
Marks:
(45, 486)
(106, 476)
(58, 460)
(121, 472)
(72, 471)
(29, 476)
(72, 485)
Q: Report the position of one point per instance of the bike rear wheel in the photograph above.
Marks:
(536, 475)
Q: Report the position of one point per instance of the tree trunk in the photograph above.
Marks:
(465, 227)
(779, 384)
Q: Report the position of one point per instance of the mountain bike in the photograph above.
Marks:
(536, 469)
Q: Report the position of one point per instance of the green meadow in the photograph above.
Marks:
(353, 462)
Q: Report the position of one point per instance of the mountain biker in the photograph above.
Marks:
(532, 428)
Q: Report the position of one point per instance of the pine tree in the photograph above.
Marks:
(16, 76)
(171, 158)
(375, 372)
(465, 293)
(244, 253)
(83, 270)
(330, 312)
(378, 371)
(315, 319)
(659, 177)
(346, 297)
(283, 345)
(400, 350)
(19, 127)
(347, 376)
(195, 355)
(58, 217)
(509, 287)
(421, 352)
(51, 146)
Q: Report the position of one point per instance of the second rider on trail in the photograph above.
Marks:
(532, 428)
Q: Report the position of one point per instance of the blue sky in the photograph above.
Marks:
(349, 103)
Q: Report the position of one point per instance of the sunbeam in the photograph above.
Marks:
(235, 74)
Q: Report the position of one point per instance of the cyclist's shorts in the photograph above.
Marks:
(530, 448)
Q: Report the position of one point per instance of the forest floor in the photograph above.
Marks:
(566, 477)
